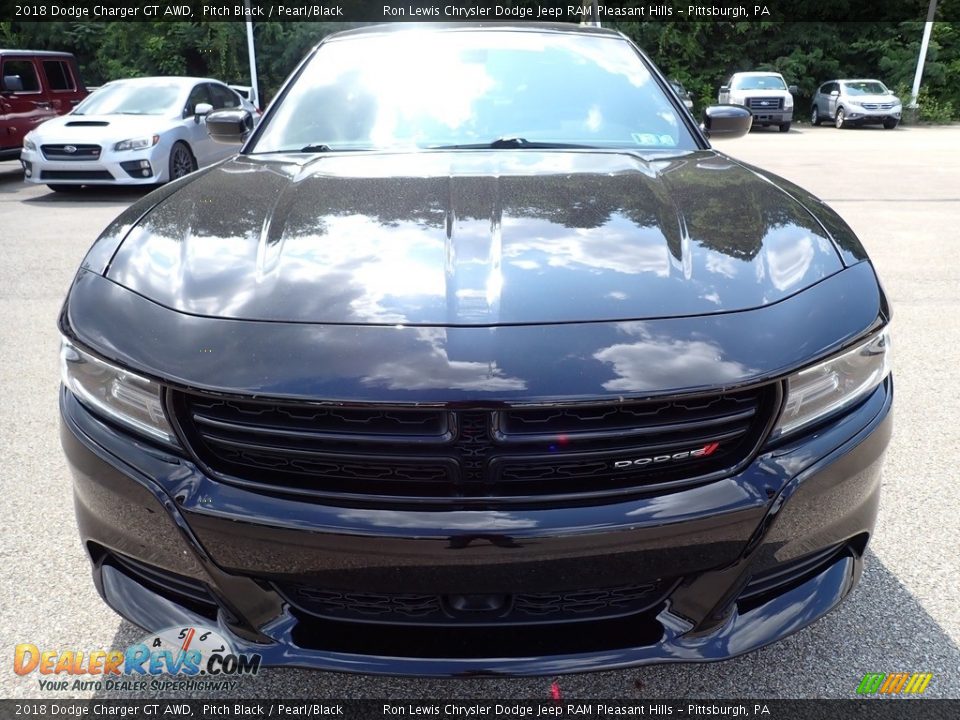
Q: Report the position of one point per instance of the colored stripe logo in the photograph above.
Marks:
(894, 683)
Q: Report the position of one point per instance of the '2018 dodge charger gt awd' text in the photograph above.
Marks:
(460, 367)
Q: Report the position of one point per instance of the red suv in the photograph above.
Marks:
(34, 86)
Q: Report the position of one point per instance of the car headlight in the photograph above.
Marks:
(835, 383)
(788, 102)
(117, 394)
(29, 144)
(137, 143)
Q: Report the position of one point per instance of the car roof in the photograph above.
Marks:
(850, 80)
(178, 79)
(758, 72)
(533, 27)
(44, 53)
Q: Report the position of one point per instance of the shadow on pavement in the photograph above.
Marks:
(880, 628)
(88, 195)
(775, 130)
(11, 176)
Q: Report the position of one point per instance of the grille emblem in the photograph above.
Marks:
(706, 450)
(70, 149)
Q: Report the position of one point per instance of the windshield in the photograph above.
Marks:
(131, 99)
(423, 89)
(759, 82)
(865, 87)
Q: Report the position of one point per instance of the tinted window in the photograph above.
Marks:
(58, 75)
(200, 94)
(429, 89)
(132, 98)
(223, 97)
(20, 76)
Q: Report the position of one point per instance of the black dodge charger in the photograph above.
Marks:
(477, 358)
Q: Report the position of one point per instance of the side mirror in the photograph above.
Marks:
(834, 93)
(230, 127)
(726, 121)
(201, 110)
(793, 89)
(724, 88)
(12, 84)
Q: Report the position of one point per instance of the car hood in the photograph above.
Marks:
(474, 238)
(860, 99)
(99, 128)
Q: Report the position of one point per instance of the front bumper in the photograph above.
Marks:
(867, 116)
(111, 168)
(744, 561)
(772, 117)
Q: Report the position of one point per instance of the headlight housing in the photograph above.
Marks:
(836, 383)
(137, 143)
(117, 394)
(788, 101)
(29, 144)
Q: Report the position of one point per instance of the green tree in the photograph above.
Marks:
(702, 55)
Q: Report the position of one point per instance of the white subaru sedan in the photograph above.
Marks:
(142, 131)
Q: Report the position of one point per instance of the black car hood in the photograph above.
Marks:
(474, 238)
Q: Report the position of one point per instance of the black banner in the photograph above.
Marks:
(481, 10)
(874, 709)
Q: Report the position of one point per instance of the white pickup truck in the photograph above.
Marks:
(765, 94)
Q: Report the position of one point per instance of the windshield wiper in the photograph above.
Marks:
(312, 148)
(322, 148)
(511, 143)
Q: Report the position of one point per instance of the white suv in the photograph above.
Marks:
(856, 102)
(765, 94)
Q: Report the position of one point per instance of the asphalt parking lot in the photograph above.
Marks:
(900, 190)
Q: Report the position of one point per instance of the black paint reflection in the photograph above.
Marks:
(471, 238)
(455, 364)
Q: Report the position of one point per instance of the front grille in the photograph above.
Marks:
(79, 152)
(877, 106)
(765, 103)
(533, 453)
(75, 175)
(502, 609)
(521, 640)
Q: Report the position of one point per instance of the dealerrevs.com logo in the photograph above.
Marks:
(706, 450)
(185, 653)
